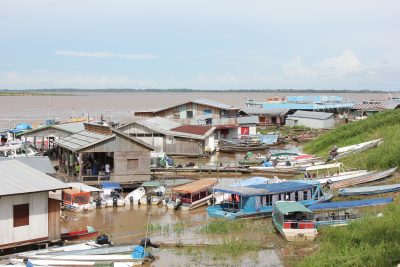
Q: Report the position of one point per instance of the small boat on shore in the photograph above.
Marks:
(342, 212)
(347, 150)
(192, 195)
(332, 173)
(257, 200)
(294, 221)
(365, 178)
(369, 190)
(86, 234)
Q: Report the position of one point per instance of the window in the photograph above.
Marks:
(267, 200)
(189, 113)
(133, 165)
(21, 215)
(296, 196)
(305, 195)
(206, 111)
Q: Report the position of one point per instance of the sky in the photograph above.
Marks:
(208, 44)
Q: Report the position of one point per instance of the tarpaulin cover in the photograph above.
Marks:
(196, 186)
(350, 204)
(268, 139)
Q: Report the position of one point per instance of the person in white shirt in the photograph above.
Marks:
(107, 169)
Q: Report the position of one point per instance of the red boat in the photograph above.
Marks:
(89, 233)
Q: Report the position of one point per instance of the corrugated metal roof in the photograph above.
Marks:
(311, 115)
(248, 120)
(40, 163)
(196, 186)
(192, 129)
(266, 111)
(208, 102)
(380, 105)
(19, 178)
(82, 139)
(72, 127)
(287, 207)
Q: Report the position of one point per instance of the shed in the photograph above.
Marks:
(171, 137)
(28, 215)
(86, 154)
(311, 119)
(267, 116)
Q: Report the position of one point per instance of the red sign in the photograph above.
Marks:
(245, 130)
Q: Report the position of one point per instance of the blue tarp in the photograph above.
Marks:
(110, 185)
(139, 253)
(21, 128)
(286, 186)
(350, 204)
(268, 139)
(267, 164)
(251, 181)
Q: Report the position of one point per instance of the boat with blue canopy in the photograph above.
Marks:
(343, 212)
(369, 190)
(112, 194)
(257, 200)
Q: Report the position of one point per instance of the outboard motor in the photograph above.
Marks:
(148, 199)
(115, 201)
(178, 203)
(146, 242)
(98, 202)
(103, 240)
(131, 200)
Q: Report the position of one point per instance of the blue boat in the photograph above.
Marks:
(257, 200)
(342, 212)
(369, 190)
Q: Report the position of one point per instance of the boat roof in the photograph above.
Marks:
(265, 189)
(110, 185)
(83, 187)
(75, 190)
(196, 186)
(287, 207)
(350, 204)
(251, 181)
(324, 166)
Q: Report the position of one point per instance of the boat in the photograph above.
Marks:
(49, 262)
(294, 221)
(80, 197)
(305, 137)
(369, 190)
(342, 212)
(133, 198)
(332, 173)
(192, 195)
(155, 193)
(86, 234)
(112, 194)
(242, 145)
(17, 149)
(365, 178)
(219, 196)
(347, 150)
(257, 200)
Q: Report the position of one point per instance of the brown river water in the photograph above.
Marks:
(118, 106)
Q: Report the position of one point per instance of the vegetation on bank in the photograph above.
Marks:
(372, 241)
(236, 226)
(384, 125)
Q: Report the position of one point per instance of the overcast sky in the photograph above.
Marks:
(208, 44)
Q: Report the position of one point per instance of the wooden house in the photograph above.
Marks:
(28, 216)
(267, 116)
(85, 155)
(172, 137)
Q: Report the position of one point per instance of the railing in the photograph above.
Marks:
(298, 225)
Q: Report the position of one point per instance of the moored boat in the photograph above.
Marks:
(86, 234)
(369, 190)
(294, 221)
(192, 195)
(257, 200)
(365, 178)
(347, 150)
(112, 194)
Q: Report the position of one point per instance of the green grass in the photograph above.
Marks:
(384, 125)
(372, 241)
(236, 226)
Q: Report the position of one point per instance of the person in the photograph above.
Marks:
(27, 262)
(107, 169)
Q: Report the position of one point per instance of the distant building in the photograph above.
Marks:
(28, 216)
(306, 103)
(172, 137)
(367, 108)
(244, 127)
(83, 156)
(198, 111)
(267, 116)
(316, 120)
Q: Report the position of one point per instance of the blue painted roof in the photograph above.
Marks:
(110, 185)
(251, 181)
(350, 204)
